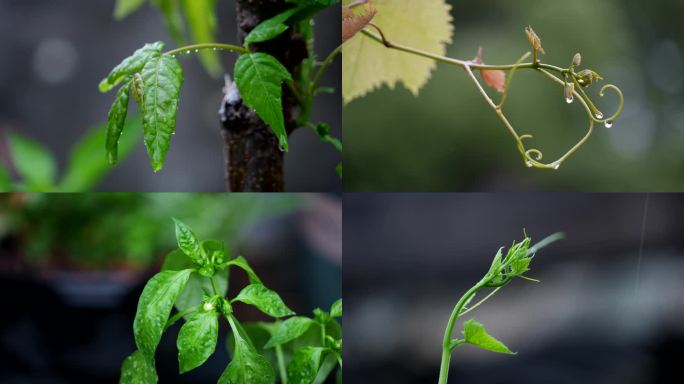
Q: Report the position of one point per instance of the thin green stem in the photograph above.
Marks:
(178, 316)
(281, 364)
(197, 47)
(492, 293)
(214, 286)
(322, 335)
(324, 66)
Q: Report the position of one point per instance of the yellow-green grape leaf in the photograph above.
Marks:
(367, 64)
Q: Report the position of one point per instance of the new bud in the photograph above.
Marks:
(588, 77)
(534, 40)
(577, 60)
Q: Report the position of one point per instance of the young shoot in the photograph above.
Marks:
(504, 268)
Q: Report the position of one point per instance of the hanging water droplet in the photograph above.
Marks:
(608, 123)
(529, 164)
(187, 52)
(599, 115)
(569, 99)
(281, 148)
(196, 50)
(556, 166)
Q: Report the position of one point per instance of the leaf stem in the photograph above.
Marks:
(218, 46)
(281, 364)
(324, 66)
(214, 286)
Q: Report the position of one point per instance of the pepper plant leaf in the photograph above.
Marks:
(188, 242)
(336, 309)
(162, 79)
(197, 340)
(154, 307)
(368, 64)
(476, 334)
(289, 330)
(138, 369)
(241, 262)
(247, 366)
(259, 79)
(268, 301)
(130, 65)
(304, 365)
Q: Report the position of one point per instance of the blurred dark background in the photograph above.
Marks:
(448, 139)
(73, 266)
(55, 54)
(606, 310)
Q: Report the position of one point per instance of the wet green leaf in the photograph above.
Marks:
(241, 262)
(268, 301)
(289, 330)
(197, 340)
(188, 242)
(138, 369)
(259, 79)
(116, 120)
(154, 307)
(131, 64)
(336, 309)
(304, 365)
(271, 28)
(162, 80)
(247, 366)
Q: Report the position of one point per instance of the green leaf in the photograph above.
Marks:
(5, 180)
(367, 64)
(86, 165)
(495, 269)
(215, 250)
(247, 366)
(304, 365)
(197, 340)
(130, 65)
(33, 162)
(154, 307)
(336, 309)
(162, 80)
(124, 8)
(265, 299)
(476, 334)
(327, 366)
(188, 242)
(259, 79)
(116, 120)
(197, 285)
(289, 330)
(241, 262)
(173, 18)
(138, 369)
(201, 17)
(271, 28)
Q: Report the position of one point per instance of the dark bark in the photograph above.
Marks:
(254, 161)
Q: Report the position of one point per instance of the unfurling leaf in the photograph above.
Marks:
(259, 79)
(494, 78)
(368, 64)
(130, 65)
(476, 334)
(534, 40)
(154, 307)
(197, 340)
(162, 79)
(355, 19)
(116, 121)
(138, 369)
(268, 301)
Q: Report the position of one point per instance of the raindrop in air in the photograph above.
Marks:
(599, 115)
(569, 99)
(529, 164)
(608, 123)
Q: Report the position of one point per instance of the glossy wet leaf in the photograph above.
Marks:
(259, 79)
(131, 64)
(138, 369)
(162, 79)
(336, 309)
(246, 366)
(116, 120)
(124, 8)
(241, 262)
(154, 307)
(305, 365)
(368, 65)
(34, 163)
(268, 301)
(86, 165)
(188, 242)
(197, 340)
(197, 285)
(270, 28)
(476, 334)
(289, 330)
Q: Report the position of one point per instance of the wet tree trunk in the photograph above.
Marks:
(253, 160)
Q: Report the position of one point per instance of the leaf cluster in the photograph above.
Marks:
(194, 279)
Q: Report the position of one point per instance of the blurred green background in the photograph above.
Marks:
(449, 139)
